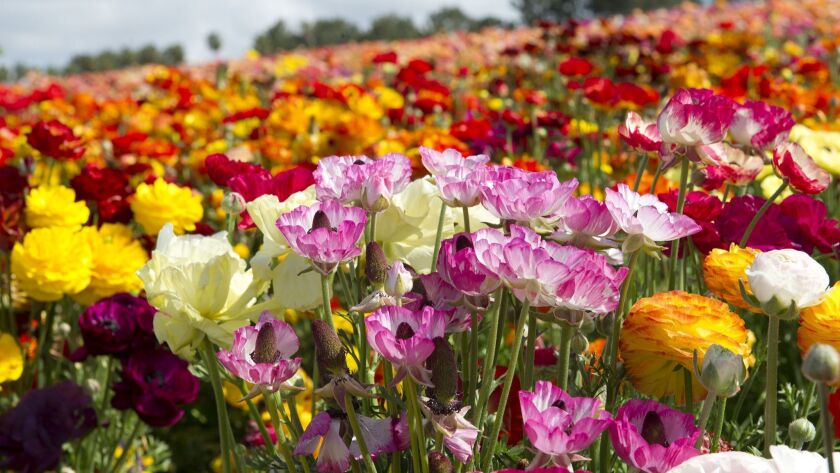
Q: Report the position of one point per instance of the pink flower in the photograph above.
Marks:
(459, 434)
(520, 196)
(729, 164)
(652, 437)
(325, 232)
(432, 291)
(458, 179)
(802, 173)
(639, 134)
(646, 216)
(383, 178)
(405, 338)
(340, 178)
(261, 355)
(457, 265)
(594, 285)
(695, 117)
(584, 221)
(761, 125)
(559, 425)
(381, 436)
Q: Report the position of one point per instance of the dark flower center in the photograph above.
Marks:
(265, 350)
(443, 408)
(358, 162)
(404, 331)
(463, 242)
(155, 377)
(560, 404)
(110, 324)
(320, 220)
(653, 430)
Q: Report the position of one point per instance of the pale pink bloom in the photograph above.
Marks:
(640, 134)
(694, 117)
(584, 221)
(340, 178)
(730, 164)
(405, 338)
(783, 460)
(459, 434)
(384, 177)
(761, 125)
(514, 195)
(430, 290)
(646, 215)
(326, 232)
(457, 265)
(459, 179)
(795, 165)
(261, 354)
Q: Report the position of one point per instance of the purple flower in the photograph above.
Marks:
(652, 437)
(761, 125)
(430, 290)
(116, 325)
(639, 134)
(325, 232)
(261, 355)
(32, 433)
(381, 436)
(515, 195)
(155, 383)
(458, 265)
(384, 177)
(736, 215)
(805, 220)
(340, 178)
(695, 117)
(646, 216)
(405, 338)
(559, 425)
(584, 221)
(458, 179)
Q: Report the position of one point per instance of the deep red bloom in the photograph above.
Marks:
(385, 57)
(668, 41)
(736, 216)
(255, 112)
(127, 143)
(471, 129)
(805, 221)
(600, 90)
(252, 185)
(55, 140)
(704, 209)
(575, 66)
(636, 95)
(95, 183)
(222, 169)
(802, 173)
(12, 183)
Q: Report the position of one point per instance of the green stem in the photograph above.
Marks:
(466, 222)
(209, 356)
(472, 369)
(373, 226)
(705, 412)
(530, 350)
(565, 352)
(271, 405)
(688, 391)
(719, 425)
(643, 161)
(770, 389)
(675, 248)
(415, 424)
(760, 213)
(326, 310)
(828, 435)
(138, 426)
(488, 365)
(357, 432)
(44, 340)
(487, 451)
(438, 235)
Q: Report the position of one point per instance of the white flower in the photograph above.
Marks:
(781, 279)
(784, 460)
(398, 280)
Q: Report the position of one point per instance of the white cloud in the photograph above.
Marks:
(49, 32)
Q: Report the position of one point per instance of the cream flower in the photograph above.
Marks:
(823, 146)
(780, 279)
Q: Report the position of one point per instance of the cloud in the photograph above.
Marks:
(49, 32)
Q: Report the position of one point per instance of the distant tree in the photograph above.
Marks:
(148, 55)
(391, 27)
(276, 38)
(214, 42)
(449, 19)
(553, 10)
(4, 74)
(611, 7)
(21, 69)
(329, 31)
(172, 55)
(488, 22)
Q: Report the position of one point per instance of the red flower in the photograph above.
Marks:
(385, 57)
(95, 183)
(251, 185)
(802, 173)
(55, 140)
(600, 90)
(222, 169)
(834, 408)
(575, 66)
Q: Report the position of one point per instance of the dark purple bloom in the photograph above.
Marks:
(736, 216)
(32, 433)
(155, 383)
(117, 325)
(804, 218)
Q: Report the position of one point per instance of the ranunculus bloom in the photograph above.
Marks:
(55, 206)
(32, 432)
(285, 183)
(51, 262)
(11, 358)
(326, 232)
(783, 460)
(108, 188)
(584, 221)
(222, 169)
(730, 164)
(805, 221)
(760, 125)
(155, 205)
(802, 173)
(384, 177)
(459, 434)
(575, 66)
(430, 290)
(640, 134)
(458, 178)
(736, 216)
(261, 354)
(117, 256)
(458, 265)
(780, 279)
(652, 437)
(340, 178)
(723, 269)
(520, 196)
(56, 140)
(820, 323)
(559, 425)
(695, 117)
(405, 338)
(155, 383)
(117, 325)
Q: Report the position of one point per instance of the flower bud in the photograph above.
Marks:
(376, 265)
(439, 463)
(444, 371)
(233, 203)
(329, 351)
(801, 431)
(822, 364)
(398, 280)
(723, 371)
(579, 343)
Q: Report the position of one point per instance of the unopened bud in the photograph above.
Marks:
(439, 463)
(444, 371)
(92, 385)
(822, 364)
(329, 351)
(801, 431)
(376, 265)
(233, 203)
(398, 280)
(722, 372)
(579, 343)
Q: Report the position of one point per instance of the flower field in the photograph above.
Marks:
(606, 245)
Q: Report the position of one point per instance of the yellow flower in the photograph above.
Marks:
(662, 332)
(55, 206)
(116, 258)
(821, 323)
(52, 262)
(722, 269)
(11, 359)
(160, 203)
(823, 146)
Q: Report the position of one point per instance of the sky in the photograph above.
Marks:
(50, 32)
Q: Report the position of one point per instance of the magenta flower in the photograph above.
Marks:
(594, 287)
(325, 232)
(584, 221)
(652, 437)
(729, 164)
(640, 134)
(803, 174)
(458, 179)
(458, 265)
(340, 178)
(381, 436)
(695, 117)
(646, 216)
(383, 178)
(559, 425)
(405, 338)
(761, 125)
(459, 434)
(430, 290)
(261, 355)
(515, 195)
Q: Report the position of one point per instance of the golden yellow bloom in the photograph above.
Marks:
(823, 146)
(723, 268)
(52, 262)
(11, 359)
(55, 206)
(116, 258)
(160, 203)
(662, 332)
(821, 323)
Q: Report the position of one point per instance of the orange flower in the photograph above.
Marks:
(722, 269)
(821, 323)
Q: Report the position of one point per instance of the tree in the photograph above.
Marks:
(329, 31)
(214, 42)
(172, 55)
(488, 22)
(276, 38)
(392, 27)
(551, 10)
(610, 7)
(449, 19)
